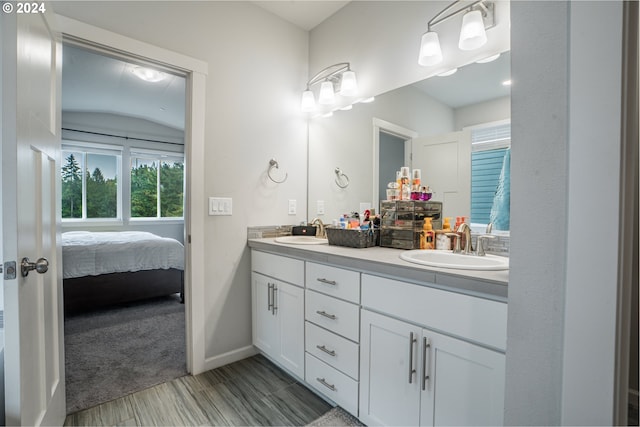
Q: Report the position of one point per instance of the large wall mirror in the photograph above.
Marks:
(427, 125)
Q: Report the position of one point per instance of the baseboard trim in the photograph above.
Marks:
(633, 397)
(229, 357)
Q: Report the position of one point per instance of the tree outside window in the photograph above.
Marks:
(89, 185)
(157, 188)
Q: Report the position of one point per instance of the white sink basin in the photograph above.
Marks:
(447, 259)
(301, 240)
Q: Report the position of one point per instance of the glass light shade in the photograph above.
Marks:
(326, 97)
(472, 33)
(349, 86)
(430, 52)
(308, 103)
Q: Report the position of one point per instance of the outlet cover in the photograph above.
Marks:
(292, 207)
(320, 207)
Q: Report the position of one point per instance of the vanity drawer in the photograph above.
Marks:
(332, 349)
(333, 384)
(336, 315)
(279, 267)
(471, 318)
(334, 281)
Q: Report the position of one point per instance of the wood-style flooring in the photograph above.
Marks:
(251, 392)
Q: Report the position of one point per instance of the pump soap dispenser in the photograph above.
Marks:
(427, 237)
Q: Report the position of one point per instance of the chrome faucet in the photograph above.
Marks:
(322, 233)
(464, 231)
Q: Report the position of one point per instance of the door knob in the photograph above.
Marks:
(41, 266)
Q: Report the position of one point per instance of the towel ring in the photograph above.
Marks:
(340, 177)
(273, 163)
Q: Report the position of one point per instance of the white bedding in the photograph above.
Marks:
(90, 254)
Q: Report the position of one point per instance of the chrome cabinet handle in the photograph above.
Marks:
(326, 384)
(275, 299)
(41, 266)
(328, 282)
(426, 344)
(269, 297)
(323, 348)
(412, 370)
(327, 315)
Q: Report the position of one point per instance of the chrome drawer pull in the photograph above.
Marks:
(326, 384)
(269, 297)
(426, 344)
(323, 348)
(328, 282)
(412, 370)
(327, 315)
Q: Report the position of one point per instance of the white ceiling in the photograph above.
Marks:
(471, 84)
(96, 83)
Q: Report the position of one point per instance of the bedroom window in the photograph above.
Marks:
(90, 185)
(157, 184)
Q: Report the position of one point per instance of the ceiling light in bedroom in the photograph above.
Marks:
(148, 74)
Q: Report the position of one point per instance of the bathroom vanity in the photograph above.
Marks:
(392, 342)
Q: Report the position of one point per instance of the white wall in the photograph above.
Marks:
(257, 65)
(539, 173)
(594, 158)
(483, 112)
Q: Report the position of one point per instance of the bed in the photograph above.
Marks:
(107, 268)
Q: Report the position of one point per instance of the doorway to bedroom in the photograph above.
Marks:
(123, 180)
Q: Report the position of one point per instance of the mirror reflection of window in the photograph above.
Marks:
(490, 175)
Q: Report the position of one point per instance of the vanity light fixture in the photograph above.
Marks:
(478, 17)
(148, 74)
(334, 76)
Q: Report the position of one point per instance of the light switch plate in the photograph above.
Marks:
(220, 206)
(292, 207)
(320, 207)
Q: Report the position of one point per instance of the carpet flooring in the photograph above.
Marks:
(114, 352)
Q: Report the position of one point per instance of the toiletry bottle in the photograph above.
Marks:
(427, 238)
(415, 184)
(399, 184)
(406, 183)
(443, 242)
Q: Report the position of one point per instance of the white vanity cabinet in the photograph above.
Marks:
(412, 375)
(332, 313)
(278, 309)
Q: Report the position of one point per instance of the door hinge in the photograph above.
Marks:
(189, 238)
(9, 270)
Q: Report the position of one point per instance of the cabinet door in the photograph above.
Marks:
(264, 322)
(465, 384)
(389, 387)
(289, 310)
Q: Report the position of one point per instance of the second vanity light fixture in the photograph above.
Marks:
(478, 17)
(333, 76)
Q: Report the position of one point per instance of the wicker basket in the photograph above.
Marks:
(353, 238)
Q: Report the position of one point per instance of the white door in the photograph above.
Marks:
(289, 309)
(465, 385)
(34, 350)
(265, 323)
(445, 163)
(389, 371)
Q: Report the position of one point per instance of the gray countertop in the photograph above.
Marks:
(387, 262)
